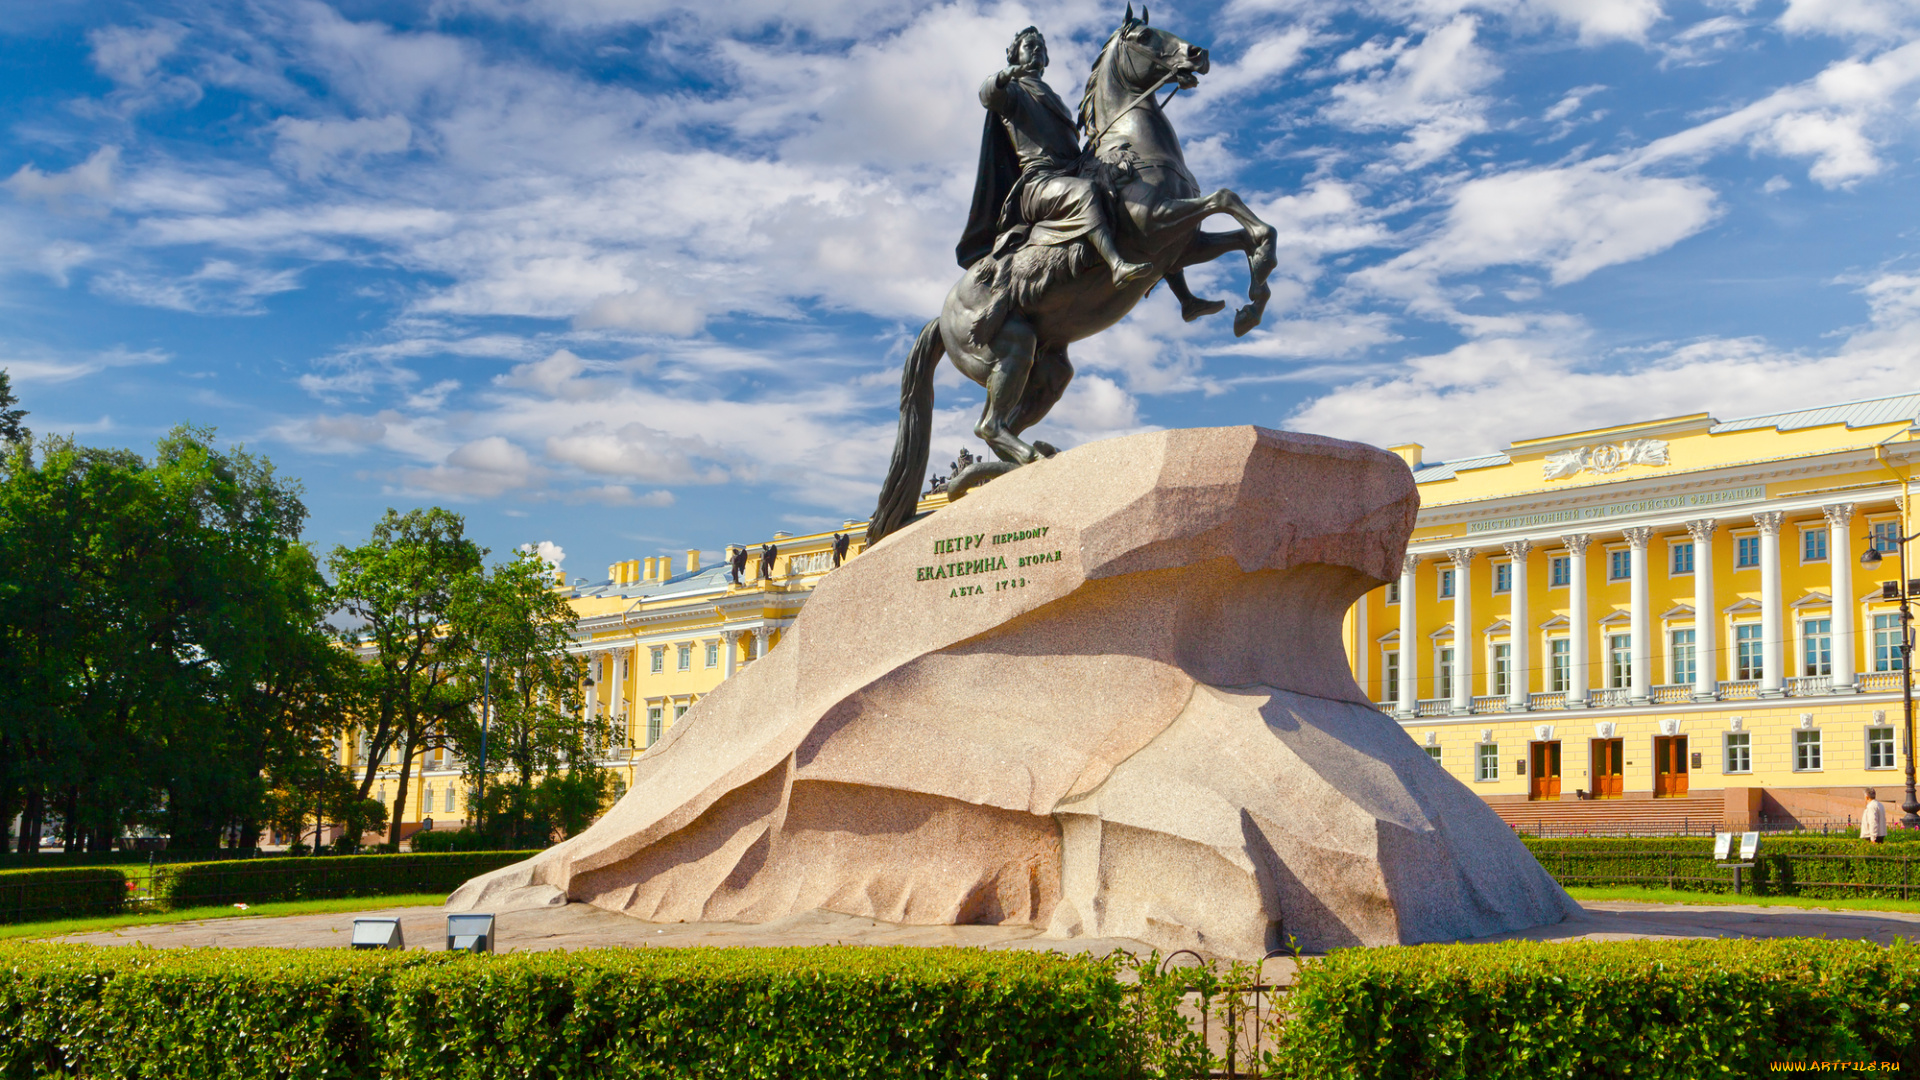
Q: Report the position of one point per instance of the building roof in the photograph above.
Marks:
(1865, 413)
(1854, 414)
(710, 579)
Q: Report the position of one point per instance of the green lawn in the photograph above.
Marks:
(286, 907)
(1675, 896)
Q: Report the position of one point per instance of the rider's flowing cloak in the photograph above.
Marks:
(999, 172)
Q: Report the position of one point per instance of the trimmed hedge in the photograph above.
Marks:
(786, 1013)
(455, 840)
(1819, 867)
(35, 895)
(1524, 1010)
(256, 881)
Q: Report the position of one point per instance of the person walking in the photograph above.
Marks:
(1873, 820)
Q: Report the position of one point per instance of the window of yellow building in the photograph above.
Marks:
(1682, 669)
(1806, 751)
(1739, 755)
(1503, 577)
(1746, 651)
(1680, 559)
(1443, 674)
(1886, 536)
(1880, 748)
(713, 654)
(1559, 571)
(1502, 669)
(680, 709)
(1886, 642)
(1446, 583)
(1813, 545)
(1560, 664)
(659, 659)
(1434, 753)
(1746, 552)
(1488, 756)
(653, 724)
(1619, 660)
(1390, 675)
(1816, 654)
(1619, 564)
(684, 658)
(1393, 592)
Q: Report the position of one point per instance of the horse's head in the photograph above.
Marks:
(1136, 58)
(1145, 55)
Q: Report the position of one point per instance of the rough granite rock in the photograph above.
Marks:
(1104, 695)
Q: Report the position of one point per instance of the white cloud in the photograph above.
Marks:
(219, 287)
(1431, 90)
(46, 368)
(550, 553)
(1879, 19)
(638, 451)
(1475, 398)
(316, 147)
(1572, 220)
(618, 495)
(89, 181)
(483, 468)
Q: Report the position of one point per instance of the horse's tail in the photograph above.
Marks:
(902, 490)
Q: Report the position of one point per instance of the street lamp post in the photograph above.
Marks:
(486, 718)
(1871, 559)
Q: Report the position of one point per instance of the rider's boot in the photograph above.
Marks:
(1191, 306)
(1124, 273)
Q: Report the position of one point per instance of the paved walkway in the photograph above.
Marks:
(578, 926)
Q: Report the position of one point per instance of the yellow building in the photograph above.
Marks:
(1670, 609)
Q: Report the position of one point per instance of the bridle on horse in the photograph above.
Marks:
(1137, 99)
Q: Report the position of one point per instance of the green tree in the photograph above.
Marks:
(165, 649)
(400, 588)
(541, 742)
(12, 432)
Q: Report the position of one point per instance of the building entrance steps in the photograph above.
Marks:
(1696, 814)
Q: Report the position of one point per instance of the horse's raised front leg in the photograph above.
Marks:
(1259, 246)
(1192, 308)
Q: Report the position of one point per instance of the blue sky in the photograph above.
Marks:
(628, 277)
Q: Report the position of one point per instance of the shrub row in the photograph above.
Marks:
(1615, 1009)
(34, 895)
(1810, 866)
(787, 1013)
(457, 840)
(256, 881)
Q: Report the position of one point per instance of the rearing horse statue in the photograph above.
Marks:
(1028, 293)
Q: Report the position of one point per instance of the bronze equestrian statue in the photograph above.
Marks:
(1063, 240)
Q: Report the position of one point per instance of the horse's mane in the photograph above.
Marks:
(1086, 97)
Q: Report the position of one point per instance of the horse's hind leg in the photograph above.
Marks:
(1052, 371)
(1013, 364)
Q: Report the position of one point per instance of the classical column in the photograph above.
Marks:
(1706, 617)
(1409, 656)
(1520, 630)
(1577, 619)
(1463, 637)
(1771, 654)
(732, 638)
(1840, 564)
(1640, 620)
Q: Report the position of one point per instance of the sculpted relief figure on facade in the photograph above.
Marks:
(1606, 458)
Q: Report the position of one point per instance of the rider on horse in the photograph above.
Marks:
(1030, 129)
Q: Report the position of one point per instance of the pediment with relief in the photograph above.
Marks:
(1605, 458)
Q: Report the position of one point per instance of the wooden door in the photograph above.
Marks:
(1546, 770)
(1670, 766)
(1608, 782)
